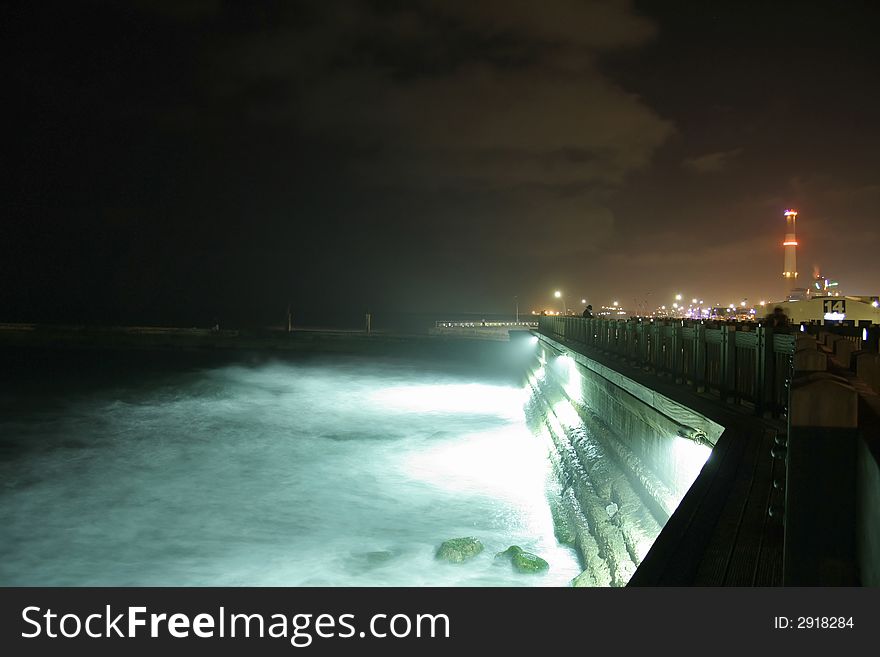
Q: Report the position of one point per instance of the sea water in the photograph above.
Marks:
(336, 470)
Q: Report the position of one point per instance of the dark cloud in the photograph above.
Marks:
(490, 99)
(185, 157)
(503, 110)
(711, 162)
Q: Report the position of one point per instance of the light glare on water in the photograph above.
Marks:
(334, 473)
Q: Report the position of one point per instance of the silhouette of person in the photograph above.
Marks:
(588, 311)
(777, 319)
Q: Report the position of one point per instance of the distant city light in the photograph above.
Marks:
(615, 303)
(693, 300)
(678, 297)
(791, 212)
(675, 305)
(875, 303)
(583, 300)
(557, 294)
(794, 243)
(742, 303)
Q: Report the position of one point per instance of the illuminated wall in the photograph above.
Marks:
(622, 465)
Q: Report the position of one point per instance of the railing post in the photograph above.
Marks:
(632, 345)
(819, 547)
(760, 368)
(699, 356)
(656, 347)
(873, 341)
(728, 350)
(643, 344)
(676, 362)
(765, 361)
(666, 339)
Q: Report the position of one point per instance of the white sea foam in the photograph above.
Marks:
(328, 473)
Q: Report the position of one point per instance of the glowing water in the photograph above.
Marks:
(336, 472)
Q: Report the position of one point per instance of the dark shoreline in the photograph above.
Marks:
(148, 337)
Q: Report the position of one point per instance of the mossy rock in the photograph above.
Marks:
(367, 561)
(562, 528)
(458, 550)
(509, 553)
(378, 557)
(524, 562)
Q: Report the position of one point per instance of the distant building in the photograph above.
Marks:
(856, 310)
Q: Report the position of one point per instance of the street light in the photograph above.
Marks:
(558, 295)
(678, 297)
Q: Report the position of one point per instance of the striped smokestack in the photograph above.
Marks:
(789, 272)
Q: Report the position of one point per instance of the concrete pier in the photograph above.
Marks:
(785, 498)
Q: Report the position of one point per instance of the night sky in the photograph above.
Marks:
(184, 160)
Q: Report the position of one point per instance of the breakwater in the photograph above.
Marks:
(623, 456)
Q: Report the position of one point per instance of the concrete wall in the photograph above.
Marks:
(624, 457)
(868, 516)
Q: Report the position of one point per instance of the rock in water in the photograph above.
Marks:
(509, 553)
(524, 562)
(365, 561)
(457, 550)
(562, 528)
(378, 558)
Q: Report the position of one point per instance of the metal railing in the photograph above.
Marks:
(743, 364)
(863, 337)
(441, 324)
